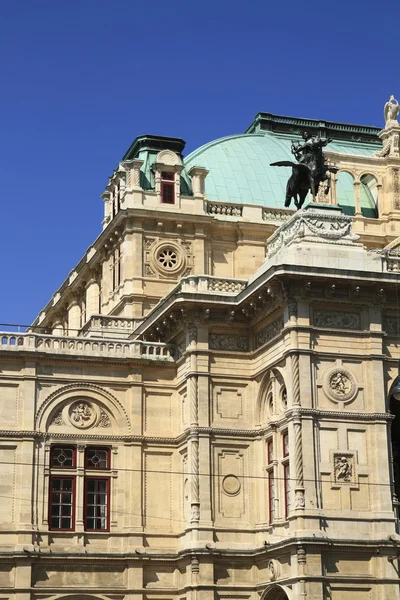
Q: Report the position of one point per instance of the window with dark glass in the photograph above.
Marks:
(97, 458)
(285, 444)
(167, 188)
(62, 497)
(96, 504)
(286, 480)
(62, 492)
(270, 451)
(63, 457)
(286, 472)
(271, 495)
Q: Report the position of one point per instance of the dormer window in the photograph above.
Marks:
(167, 187)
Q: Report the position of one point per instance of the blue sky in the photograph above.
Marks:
(81, 79)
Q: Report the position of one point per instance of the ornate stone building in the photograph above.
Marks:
(203, 410)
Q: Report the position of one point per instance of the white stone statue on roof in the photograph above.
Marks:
(391, 112)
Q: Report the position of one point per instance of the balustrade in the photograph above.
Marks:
(82, 346)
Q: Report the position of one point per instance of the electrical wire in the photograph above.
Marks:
(103, 473)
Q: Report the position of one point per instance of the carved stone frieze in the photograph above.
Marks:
(337, 319)
(239, 343)
(268, 332)
(391, 325)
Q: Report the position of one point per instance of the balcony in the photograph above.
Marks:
(82, 347)
(103, 326)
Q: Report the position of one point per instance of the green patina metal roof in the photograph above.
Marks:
(240, 172)
(239, 165)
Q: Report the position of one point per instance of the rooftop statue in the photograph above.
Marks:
(309, 171)
(391, 111)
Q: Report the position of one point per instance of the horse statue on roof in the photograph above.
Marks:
(310, 170)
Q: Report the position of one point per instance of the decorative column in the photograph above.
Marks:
(357, 198)
(92, 294)
(74, 316)
(107, 207)
(296, 404)
(194, 421)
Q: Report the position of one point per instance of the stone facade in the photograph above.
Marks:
(202, 410)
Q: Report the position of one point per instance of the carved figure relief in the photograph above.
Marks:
(337, 319)
(340, 385)
(219, 341)
(58, 419)
(273, 568)
(81, 414)
(343, 467)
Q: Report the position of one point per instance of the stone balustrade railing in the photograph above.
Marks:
(207, 284)
(104, 326)
(228, 209)
(276, 214)
(81, 346)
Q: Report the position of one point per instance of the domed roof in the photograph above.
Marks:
(240, 172)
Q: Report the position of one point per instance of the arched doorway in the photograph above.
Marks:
(276, 592)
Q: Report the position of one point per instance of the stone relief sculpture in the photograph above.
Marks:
(340, 385)
(391, 112)
(81, 414)
(343, 468)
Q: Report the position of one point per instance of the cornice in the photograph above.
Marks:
(291, 413)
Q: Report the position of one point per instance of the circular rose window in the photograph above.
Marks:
(168, 258)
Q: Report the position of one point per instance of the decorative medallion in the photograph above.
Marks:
(340, 385)
(231, 485)
(82, 414)
(343, 467)
(167, 258)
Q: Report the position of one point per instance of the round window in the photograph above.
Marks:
(168, 258)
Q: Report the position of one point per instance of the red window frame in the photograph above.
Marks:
(271, 496)
(99, 449)
(285, 444)
(270, 451)
(167, 187)
(62, 447)
(52, 503)
(286, 480)
(86, 506)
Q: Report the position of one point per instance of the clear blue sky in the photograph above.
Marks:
(81, 79)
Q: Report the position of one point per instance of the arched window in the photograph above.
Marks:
(369, 196)
(345, 197)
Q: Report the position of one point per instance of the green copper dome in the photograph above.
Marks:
(240, 172)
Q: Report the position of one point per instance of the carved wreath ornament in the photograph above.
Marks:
(340, 385)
